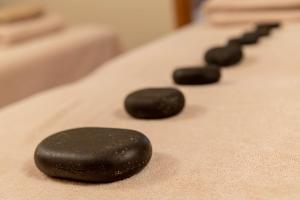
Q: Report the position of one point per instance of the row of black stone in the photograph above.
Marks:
(103, 155)
(224, 56)
(157, 103)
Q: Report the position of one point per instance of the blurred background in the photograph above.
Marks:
(136, 21)
(49, 43)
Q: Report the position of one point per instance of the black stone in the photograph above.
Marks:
(224, 56)
(155, 103)
(261, 31)
(235, 41)
(99, 155)
(197, 75)
(250, 38)
(271, 25)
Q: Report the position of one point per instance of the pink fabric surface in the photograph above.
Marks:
(232, 12)
(238, 139)
(60, 58)
(29, 29)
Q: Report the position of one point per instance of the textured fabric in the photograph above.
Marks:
(17, 12)
(232, 12)
(236, 140)
(29, 29)
(54, 60)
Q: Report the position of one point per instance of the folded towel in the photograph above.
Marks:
(239, 5)
(228, 12)
(19, 12)
(25, 30)
(242, 17)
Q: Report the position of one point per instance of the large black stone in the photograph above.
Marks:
(197, 75)
(155, 103)
(98, 155)
(224, 56)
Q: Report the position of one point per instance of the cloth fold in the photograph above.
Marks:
(17, 12)
(29, 29)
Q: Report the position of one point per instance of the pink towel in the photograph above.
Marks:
(20, 11)
(248, 17)
(29, 29)
(253, 5)
(227, 12)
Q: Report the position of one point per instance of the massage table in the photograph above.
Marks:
(59, 58)
(238, 139)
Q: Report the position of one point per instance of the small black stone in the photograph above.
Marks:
(261, 31)
(99, 155)
(155, 103)
(224, 56)
(235, 41)
(197, 75)
(271, 25)
(249, 38)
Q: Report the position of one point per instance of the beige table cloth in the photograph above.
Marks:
(238, 139)
(17, 32)
(54, 60)
(231, 12)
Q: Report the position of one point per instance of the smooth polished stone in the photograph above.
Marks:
(271, 25)
(99, 155)
(235, 41)
(263, 31)
(250, 38)
(224, 56)
(197, 75)
(155, 103)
